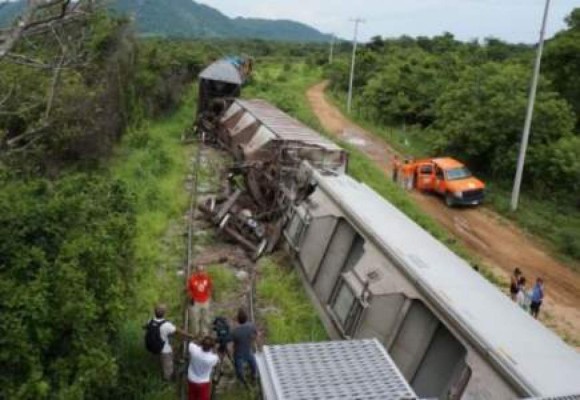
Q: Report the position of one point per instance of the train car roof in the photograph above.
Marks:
(223, 71)
(283, 125)
(344, 369)
(522, 346)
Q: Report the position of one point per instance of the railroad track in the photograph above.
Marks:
(192, 212)
(201, 148)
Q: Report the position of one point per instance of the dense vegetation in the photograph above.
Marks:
(77, 237)
(66, 253)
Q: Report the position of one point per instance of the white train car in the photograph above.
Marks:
(374, 273)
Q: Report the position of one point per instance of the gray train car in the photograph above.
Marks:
(373, 273)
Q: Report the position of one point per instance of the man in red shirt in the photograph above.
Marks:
(199, 287)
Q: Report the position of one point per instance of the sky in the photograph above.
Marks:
(510, 20)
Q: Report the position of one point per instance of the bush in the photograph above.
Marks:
(570, 242)
(66, 253)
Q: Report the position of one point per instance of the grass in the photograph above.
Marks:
(289, 316)
(153, 163)
(556, 224)
(286, 88)
(224, 281)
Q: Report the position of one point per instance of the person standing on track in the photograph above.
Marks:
(157, 340)
(537, 297)
(201, 362)
(514, 283)
(244, 336)
(200, 289)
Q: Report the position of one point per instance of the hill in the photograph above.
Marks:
(188, 19)
(9, 11)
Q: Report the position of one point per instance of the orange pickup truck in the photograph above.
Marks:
(450, 178)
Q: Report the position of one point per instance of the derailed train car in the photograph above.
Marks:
(219, 84)
(372, 272)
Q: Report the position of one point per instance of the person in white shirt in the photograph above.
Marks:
(201, 363)
(166, 329)
(522, 297)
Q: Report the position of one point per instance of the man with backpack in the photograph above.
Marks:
(157, 342)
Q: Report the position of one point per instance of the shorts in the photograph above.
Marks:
(198, 391)
(535, 306)
(167, 365)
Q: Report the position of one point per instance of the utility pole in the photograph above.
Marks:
(529, 114)
(349, 98)
(331, 49)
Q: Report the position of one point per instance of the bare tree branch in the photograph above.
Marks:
(54, 84)
(29, 133)
(44, 30)
(21, 59)
(34, 21)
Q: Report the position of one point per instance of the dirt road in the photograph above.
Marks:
(499, 244)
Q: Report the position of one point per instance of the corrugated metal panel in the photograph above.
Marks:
(340, 370)
(523, 346)
(284, 126)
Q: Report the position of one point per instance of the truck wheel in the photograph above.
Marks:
(449, 200)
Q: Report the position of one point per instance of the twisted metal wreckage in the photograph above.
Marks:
(268, 148)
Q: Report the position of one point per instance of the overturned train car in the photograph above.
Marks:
(372, 272)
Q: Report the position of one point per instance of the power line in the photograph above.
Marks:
(349, 98)
(529, 114)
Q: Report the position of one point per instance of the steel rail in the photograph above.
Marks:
(189, 259)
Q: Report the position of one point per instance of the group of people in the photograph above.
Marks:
(530, 300)
(403, 173)
(205, 350)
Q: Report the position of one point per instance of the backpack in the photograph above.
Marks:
(153, 341)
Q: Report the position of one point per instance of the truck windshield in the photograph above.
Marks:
(457, 173)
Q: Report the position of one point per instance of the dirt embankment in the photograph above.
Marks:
(497, 242)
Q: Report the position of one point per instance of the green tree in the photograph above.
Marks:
(562, 62)
(65, 274)
(480, 118)
(405, 89)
